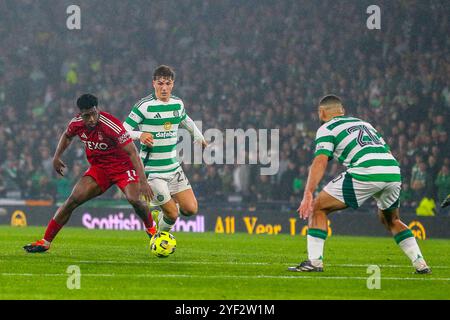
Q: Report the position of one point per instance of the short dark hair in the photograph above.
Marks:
(164, 71)
(87, 101)
(330, 99)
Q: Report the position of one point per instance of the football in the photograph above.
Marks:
(163, 244)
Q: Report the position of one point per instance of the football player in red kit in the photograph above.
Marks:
(114, 160)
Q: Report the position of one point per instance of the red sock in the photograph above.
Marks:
(149, 221)
(52, 230)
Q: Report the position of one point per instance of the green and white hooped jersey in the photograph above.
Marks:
(161, 119)
(359, 147)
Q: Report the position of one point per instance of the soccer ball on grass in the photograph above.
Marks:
(163, 244)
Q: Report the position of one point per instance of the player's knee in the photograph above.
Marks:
(190, 209)
(318, 208)
(75, 199)
(171, 214)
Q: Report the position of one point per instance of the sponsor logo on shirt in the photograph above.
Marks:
(167, 126)
(170, 134)
(95, 145)
(320, 147)
(124, 137)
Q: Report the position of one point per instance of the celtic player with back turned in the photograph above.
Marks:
(372, 171)
(157, 118)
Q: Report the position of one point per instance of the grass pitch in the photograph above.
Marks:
(118, 265)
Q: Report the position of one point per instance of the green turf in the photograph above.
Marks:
(118, 265)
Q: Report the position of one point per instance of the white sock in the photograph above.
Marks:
(411, 249)
(165, 224)
(315, 249)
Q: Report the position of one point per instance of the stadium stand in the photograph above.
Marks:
(249, 64)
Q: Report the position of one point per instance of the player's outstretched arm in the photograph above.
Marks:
(316, 173)
(63, 144)
(145, 189)
(190, 126)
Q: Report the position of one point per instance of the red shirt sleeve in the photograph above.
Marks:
(118, 133)
(73, 127)
(124, 139)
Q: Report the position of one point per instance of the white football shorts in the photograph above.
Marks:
(164, 185)
(355, 192)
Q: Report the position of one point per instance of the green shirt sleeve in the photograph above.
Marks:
(134, 118)
(325, 142)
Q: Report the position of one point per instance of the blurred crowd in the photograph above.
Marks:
(239, 64)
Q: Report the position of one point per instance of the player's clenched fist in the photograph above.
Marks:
(147, 139)
(59, 166)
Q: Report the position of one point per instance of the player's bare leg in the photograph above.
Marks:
(187, 202)
(140, 206)
(168, 216)
(183, 203)
(84, 190)
(404, 238)
(391, 220)
(323, 205)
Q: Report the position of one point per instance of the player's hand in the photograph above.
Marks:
(204, 143)
(59, 166)
(147, 139)
(145, 191)
(306, 206)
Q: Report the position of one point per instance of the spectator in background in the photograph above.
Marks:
(435, 151)
(25, 171)
(443, 184)
(199, 185)
(37, 182)
(226, 179)
(46, 160)
(432, 172)
(283, 165)
(415, 168)
(263, 189)
(419, 180)
(444, 143)
(46, 188)
(63, 186)
(285, 189)
(269, 65)
(10, 171)
(241, 179)
(212, 184)
(2, 186)
(299, 181)
(407, 197)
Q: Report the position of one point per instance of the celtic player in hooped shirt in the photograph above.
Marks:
(157, 118)
(113, 159)
(372, 172)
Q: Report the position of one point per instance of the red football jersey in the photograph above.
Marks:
(103, 144)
